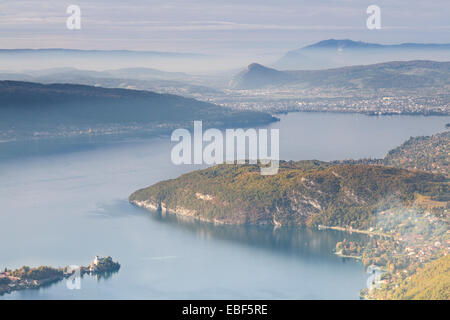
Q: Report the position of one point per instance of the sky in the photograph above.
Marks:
(231, 27)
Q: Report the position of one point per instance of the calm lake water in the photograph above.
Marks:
(63, 208)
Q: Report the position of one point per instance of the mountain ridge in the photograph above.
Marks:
(31, 110)
(341, 43)
(119, 51)
(393, 74)
(334, 53)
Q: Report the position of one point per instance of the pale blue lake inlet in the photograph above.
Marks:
(62, 209)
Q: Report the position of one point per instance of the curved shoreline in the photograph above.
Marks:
(179, 211)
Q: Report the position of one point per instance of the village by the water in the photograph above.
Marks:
(33, 278)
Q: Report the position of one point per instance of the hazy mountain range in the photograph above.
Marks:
(325, 54)
(77, 66)
(131, 73)
(338, 53)
(127, 78)
(10, 59)
(79, 52)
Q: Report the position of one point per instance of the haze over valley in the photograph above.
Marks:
(224, 150)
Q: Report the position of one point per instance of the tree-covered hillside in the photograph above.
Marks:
(305, 192)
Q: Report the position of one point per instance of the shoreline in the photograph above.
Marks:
(347, 256)
(191, 214)
(179, 212)
(35, 278)
(350, 230)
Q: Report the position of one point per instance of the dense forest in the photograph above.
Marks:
(302, 193)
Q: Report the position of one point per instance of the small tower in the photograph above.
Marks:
(94, 263)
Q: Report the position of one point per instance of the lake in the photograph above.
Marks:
(66, 207)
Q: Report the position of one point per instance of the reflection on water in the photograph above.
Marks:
(104, 275)
(293, 241)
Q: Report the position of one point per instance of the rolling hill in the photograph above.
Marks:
(390, 75)
(32, 110)
(129, 78)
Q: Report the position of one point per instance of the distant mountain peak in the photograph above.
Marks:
(257, 76)
(256, 66)
(341, 43)
(333, 53)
